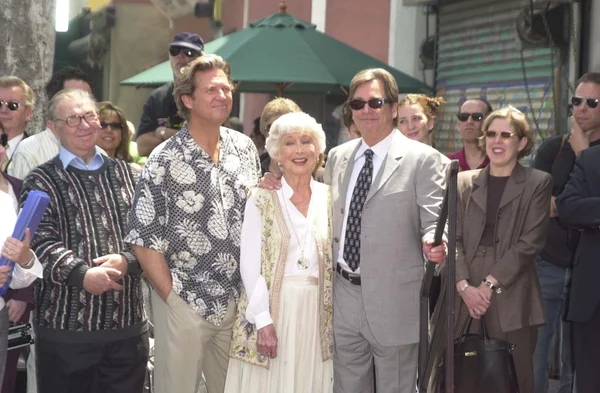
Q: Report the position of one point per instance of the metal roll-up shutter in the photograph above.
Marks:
(479, 56)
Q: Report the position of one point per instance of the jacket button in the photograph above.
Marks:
(498, 215)
(336, 240)
(497, 240)
(342, 210)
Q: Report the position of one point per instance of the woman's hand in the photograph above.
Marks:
(17, 251)
(16, 309)
(5, 273)
(267, 341)
(476, 301)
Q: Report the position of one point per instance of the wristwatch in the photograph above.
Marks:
(491, 286)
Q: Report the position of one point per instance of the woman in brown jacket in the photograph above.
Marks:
(503, 213)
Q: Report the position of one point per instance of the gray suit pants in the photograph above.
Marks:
(357, 350)
(3, 340)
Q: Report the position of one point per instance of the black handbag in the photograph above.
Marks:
(19, 336)
(483, 364)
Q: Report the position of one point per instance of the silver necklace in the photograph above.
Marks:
(302, 262)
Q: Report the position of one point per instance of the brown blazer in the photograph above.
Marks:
(520, 234)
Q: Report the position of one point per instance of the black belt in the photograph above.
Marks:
(353, 278)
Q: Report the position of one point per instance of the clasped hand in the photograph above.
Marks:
(477, 300)
(99, 279)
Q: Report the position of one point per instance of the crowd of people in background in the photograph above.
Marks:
(278, 263)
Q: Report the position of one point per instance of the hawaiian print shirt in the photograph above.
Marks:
(190, 209)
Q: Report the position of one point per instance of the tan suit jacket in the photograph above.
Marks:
(520, 234)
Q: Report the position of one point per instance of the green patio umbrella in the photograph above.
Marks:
(280, 52)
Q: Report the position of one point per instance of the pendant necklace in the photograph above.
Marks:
(302, 262)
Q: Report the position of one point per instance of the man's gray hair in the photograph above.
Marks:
(71, 95)
(291, 123)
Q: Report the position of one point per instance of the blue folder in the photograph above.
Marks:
(30, 217)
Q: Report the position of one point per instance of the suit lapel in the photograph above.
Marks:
(390, 163)
(345, 172)
(514, 186)
(479, 194)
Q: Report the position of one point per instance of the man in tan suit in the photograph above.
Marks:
(387, 191)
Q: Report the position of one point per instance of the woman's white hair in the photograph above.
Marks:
(291, 123)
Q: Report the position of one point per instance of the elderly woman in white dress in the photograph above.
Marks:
(283, 337)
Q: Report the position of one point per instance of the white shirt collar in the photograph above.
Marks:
(13, 143)
(67, 158)
(287, 190)
(380, 149)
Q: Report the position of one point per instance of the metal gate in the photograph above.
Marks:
(479, 55)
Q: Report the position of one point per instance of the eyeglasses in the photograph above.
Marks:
(75, 120)
(116, 125)
(374, 103)
(591, 102)
(3, 139)
(464, 116)
(503, 134)
(175, 50)
(11, 105)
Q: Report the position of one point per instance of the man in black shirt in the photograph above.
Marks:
(557, 156)
(160, 120)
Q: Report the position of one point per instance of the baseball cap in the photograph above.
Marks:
(188, 40)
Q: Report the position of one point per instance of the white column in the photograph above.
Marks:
(594, 62)
(318, 14)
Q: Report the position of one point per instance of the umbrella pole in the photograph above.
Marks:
(281, 87)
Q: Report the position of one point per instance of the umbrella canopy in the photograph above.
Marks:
(281, 52)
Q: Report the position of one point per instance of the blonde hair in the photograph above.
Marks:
(390, 88)
(519, 123)
(185, 80)
(276, 107)
(430, 105)
(15, 81)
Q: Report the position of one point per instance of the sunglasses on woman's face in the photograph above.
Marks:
(175, 50)
(464, 116)
(114, 125)
(10, 105)
(590, 102)
(374, 103)
(503, 134)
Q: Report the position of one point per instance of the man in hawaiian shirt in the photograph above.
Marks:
(185, 227)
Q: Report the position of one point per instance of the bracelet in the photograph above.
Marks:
(465, 286)
(29, 264)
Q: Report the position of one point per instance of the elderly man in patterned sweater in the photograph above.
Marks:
(91, 330)
(186, 226)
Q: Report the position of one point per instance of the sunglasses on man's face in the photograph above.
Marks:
(503, 134)
(11, 105)
(175, 50)
(590, 102)
(464, 116)
(374, 103)
(114, 125)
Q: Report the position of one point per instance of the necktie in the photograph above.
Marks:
(6, 159)
(359, 195)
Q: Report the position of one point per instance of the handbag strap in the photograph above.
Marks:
(466, 328)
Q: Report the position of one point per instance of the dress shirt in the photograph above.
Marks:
(67, 158)
(380, 151)
(13, 143)
(258, 311)
(33, 152)
(20, 277)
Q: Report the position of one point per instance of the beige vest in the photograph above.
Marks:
(275, 242)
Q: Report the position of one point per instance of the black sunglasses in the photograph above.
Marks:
(591, 102)
(374, 103)
(11, 105)
(464, 116)
(3, 139)
(503, 134)
(114, 125)
(175, 50)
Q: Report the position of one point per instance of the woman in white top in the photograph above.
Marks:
(27, 268)
(282, 340)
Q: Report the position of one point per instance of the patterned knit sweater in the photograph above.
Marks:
(85, 220)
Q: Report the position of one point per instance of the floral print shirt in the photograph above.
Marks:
(191, 210)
